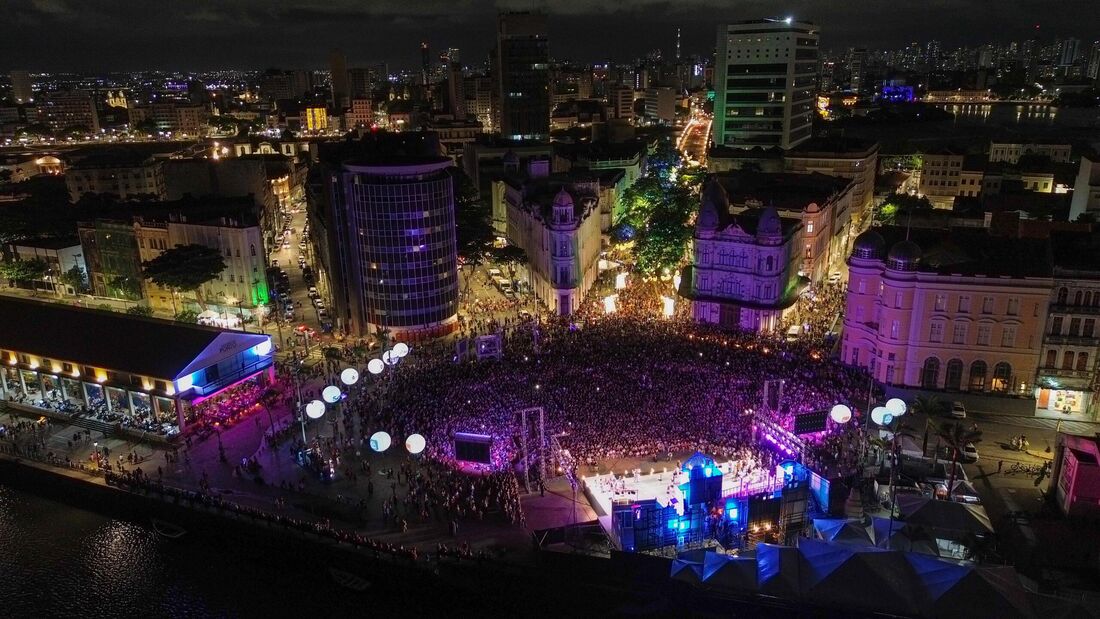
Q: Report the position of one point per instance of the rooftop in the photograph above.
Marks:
(109, 340)
(783, 190)
(973, 251)
(834, 145)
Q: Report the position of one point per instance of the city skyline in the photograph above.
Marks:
(206, 35)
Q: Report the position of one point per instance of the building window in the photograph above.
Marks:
(897, 299)
(953, 378)
(987, 305)
(895, 327)
(941, 302)
(862, 286)
(809, 227)
(1077, 298)
(1008, 337)
(1063, 294)
(1067, 360)
(1082, 362)
(959, 335)
(983, 334)
(1090, 327)
(964, 304)
(252, 248)
(1052, 359)
(1002, 377)
(1013, 306)
(936, 332)
(930, 373)
(1056, 325)
(977, 376)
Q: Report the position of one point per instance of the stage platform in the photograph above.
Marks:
(663, 485)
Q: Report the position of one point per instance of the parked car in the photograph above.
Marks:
(958, 411)
(969, 453)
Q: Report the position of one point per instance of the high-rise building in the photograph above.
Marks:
(1071, 49)
(1093, 69)
(523, 57)
(22, 88)
(425, 62)
(456, 91)
(338, 75)
(857, 66)
(764, 83)
(62, 110)
(388, 252)
(620, 100)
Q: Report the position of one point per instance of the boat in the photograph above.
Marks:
(348, 580)
(167, 529)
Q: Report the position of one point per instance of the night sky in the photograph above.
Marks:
(103, 35)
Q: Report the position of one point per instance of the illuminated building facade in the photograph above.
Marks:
(556, 221)
(954, 310)
(523, 74)
(396, 236)
(744, 270)
(316, 118)
(765, 76)
(147, 375)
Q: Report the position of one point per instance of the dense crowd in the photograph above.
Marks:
(620, 387)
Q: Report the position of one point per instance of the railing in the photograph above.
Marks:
(1080, 340)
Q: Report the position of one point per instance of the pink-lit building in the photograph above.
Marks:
(1076, 475)
(952, 310)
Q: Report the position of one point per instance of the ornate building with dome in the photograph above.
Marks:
(952, 310)
(744, 271)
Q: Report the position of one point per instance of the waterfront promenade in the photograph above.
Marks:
(280, 486)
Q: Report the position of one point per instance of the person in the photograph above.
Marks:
(1000, 465)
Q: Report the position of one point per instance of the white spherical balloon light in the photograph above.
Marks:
(375, 366)
(878, 415)
(415, 443)
(896, 406)
(841, 414)
(315, 409)
(400, 349)
(330, 394)
(380, 441)
(350, 376)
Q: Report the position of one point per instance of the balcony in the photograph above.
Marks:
(1075, 340)
(1065, 308)
(1061, 373)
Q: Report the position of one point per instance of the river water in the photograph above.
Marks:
(61, 561)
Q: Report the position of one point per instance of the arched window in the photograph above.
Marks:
(930, 373)
(1002, 377)
(1063, 294)
(1088, 298)
(1052, 359)
(953, 378)
(252, 248)
(1082, 362)
(977, 376)
(1077, 298)
(1067, 360)
(768, 264)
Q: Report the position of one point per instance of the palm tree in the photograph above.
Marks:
(956, 436)
(930, 407)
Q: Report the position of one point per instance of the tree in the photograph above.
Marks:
(473, 226)
(956, 436)
(510, 256)
(185, 268)
(140, 310)
(125, 286)
(146, 127)
(75, 278)
(23, 270)
(188, 316)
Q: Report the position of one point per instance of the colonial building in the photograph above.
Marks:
(957, 310)
(820, 202)
(126, 173)
(557, 222)
(1067, 379)
(843, 158)
(144, 376)
(744, 272)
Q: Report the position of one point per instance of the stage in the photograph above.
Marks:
(663, 484)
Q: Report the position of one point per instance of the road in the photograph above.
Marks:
(695, 138)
